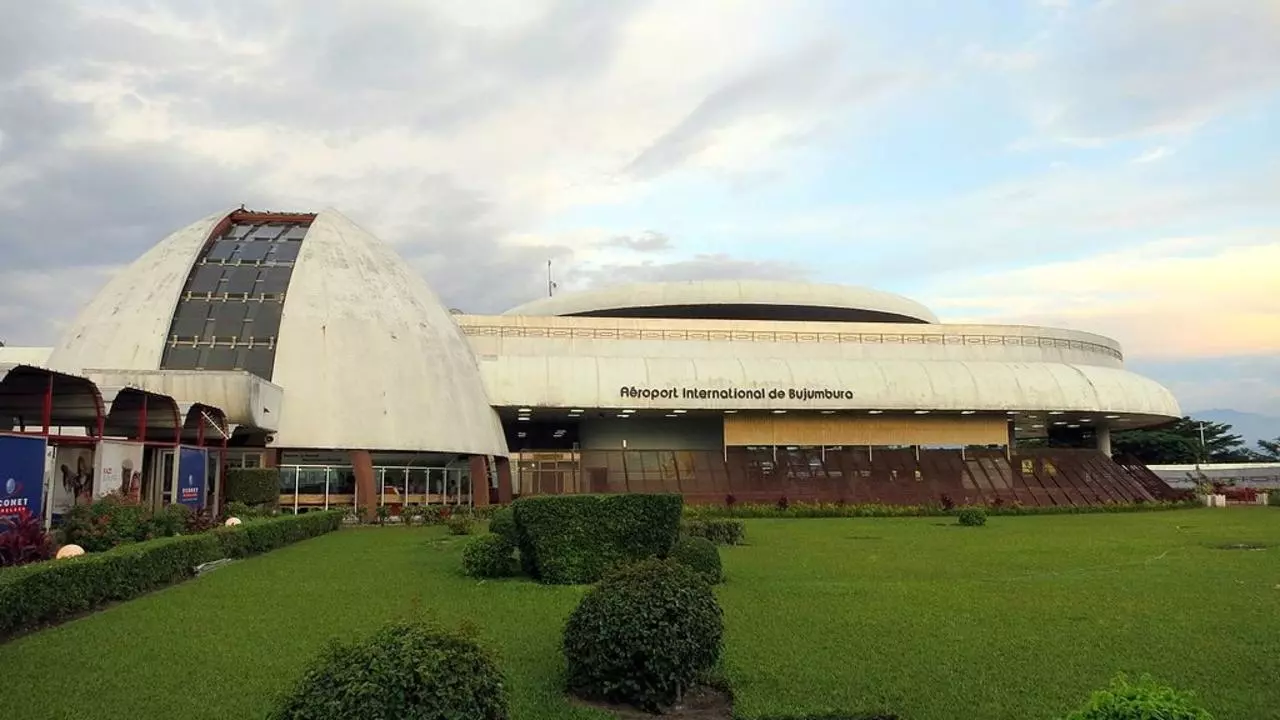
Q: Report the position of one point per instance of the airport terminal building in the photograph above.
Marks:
(325, 355)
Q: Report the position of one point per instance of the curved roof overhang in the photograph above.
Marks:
(34, 397)
(899, 385)
(734, 300)
(205, 425)
(141, 415)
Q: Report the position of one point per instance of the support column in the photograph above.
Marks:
(479, 482)
(504, 481)
(366, 486)
(1104, 440)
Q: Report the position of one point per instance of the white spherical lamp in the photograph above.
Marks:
(69, 551)
(231, 521)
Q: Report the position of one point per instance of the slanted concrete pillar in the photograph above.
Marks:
(479, 482)
(504, 481)
(1104, 440)
(366, 484)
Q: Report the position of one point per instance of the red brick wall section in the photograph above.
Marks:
(362, 467)
(504, 481)
(479, 482)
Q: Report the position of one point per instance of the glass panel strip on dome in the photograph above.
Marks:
(228, 317)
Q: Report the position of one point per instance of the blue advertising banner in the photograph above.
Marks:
(21, 476)
(192, 465)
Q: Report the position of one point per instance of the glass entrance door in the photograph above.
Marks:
(159, 487)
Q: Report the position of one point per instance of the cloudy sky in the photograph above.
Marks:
(1111, 166)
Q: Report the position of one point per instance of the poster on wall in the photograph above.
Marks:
(72, 481)
(192, 465)
(118, 469)
(21, 477)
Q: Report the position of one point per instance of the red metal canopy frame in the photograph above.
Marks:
(59, 400)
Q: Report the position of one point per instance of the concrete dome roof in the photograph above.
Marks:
(365, 352)
(734, 300)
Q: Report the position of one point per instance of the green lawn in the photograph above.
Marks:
(1019, 619)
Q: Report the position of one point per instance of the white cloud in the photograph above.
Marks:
(1154, 154)
(442, 126)
(1144, 67)
(1175, 298)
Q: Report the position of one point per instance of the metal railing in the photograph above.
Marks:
(325, 486)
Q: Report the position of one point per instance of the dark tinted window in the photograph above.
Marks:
(217, 358)
(275, 279)
(182, 357)
(222, 250)
(285, 252)
(228, 319)
(268, 232)
(237, 327)
(205, 279)
(241, 279)
(252, 251)
(190, 319)
(258, 360)
(265, 321)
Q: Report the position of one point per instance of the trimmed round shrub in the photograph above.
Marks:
(1123, 700)
(503, 523)
(721, 531)
(642, 636)
(972, 517)
(700, 555)
(459, 524)
(404, 670)
(489, 556)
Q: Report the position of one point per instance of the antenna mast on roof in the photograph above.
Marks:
(551, 284)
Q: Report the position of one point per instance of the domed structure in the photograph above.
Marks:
(366, 354)
(342, 368)
(734, 300)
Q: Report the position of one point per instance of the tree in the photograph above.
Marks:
(1269, 450)
(1179, 443)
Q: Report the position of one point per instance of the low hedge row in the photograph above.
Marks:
(574, 539)
(839, 510)
(48, 592)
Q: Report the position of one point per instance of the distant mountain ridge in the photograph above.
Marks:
(1252, 426)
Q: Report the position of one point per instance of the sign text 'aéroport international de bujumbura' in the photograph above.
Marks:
(701, 393)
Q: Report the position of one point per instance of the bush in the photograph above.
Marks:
(171, 520)
(503, 522)
(1143, 700)
(460, 524)
(47, 592)
(24, 541)
(720, 531)
(972, 517)
(245, 511)
(851, 510)
(405, 670)
(252, 486)
(1273, 497)
(700, 555)
(570, 539)
(645, 634)
(489, 556)
(259, 536)
(106, 523)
